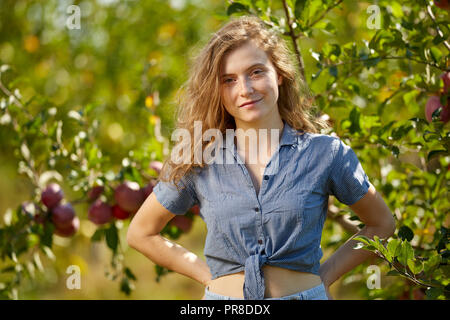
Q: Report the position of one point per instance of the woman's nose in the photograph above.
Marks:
(246, 86)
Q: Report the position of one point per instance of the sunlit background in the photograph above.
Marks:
(128, 59)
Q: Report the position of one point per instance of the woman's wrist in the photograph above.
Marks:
(325, 274)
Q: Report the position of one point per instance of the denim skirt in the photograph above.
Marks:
(315, 293)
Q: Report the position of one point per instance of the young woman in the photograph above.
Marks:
(264, 217)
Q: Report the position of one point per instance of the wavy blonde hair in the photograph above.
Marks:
(199, 98)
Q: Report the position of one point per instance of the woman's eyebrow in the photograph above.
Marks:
(252, 66)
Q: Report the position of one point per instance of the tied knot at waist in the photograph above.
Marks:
(254, 286)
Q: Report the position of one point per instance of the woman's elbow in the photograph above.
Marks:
(131, 237)
(389, 226)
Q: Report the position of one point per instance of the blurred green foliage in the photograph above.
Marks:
(92, 103)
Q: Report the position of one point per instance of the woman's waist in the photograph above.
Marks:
(278, 282)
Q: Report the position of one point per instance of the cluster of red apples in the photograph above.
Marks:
(128, 198)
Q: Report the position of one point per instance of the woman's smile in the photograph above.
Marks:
(251, 104)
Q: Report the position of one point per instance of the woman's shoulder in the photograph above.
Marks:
(320, 141)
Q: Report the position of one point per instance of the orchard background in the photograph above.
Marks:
(87, 98)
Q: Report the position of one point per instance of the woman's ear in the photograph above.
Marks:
(280, 80)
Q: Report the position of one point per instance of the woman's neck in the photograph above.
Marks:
(259, 141)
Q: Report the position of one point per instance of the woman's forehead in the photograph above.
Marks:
(242, 58)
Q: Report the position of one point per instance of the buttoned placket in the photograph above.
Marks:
(254, 281)
(258, 206)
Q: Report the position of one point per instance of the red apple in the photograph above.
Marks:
(100, 212)
(69, 230)
(182, 222)
(119, 213)
(52, 195)
(195, 210)
(148, 189)
(434, 103)
(94, 193)
(156, 165)
(129, 196)
(62, 215)
(446, 79)
(443, 4)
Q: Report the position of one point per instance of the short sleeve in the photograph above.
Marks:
(176, 201)
(347, 180)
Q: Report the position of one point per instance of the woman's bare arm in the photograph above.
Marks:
(144, 236)
(377, 219)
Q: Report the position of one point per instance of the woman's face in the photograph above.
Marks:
(247, 74)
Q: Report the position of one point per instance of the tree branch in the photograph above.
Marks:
(430, 13)
(324, 13)
(294, 42)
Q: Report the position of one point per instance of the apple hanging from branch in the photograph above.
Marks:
(434, 103)
(100, 212)
(129, 196)
(52, 195)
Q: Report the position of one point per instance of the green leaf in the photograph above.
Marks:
(405, 233)
(261, 5)
(112, 238)
(299, 7)
(355, 119)
(393, 273)
(98, 235)
(394, 247)
(363, 239)
(130, 274)
(401, 131)
(371, 62)
(380, 247)
(237, 7)
(436, 54)
(433, 153)
(316, 75)
(396, 9)
(333, 71)
(330, 50)
(47, 236)
(431, 263)
(125, 286)
(359, 245)
(406, 252)
(433, 293)
(410, 97)
(415, 266)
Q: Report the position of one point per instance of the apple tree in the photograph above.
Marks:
(378, 71)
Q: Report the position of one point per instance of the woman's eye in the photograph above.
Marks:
(255, 72)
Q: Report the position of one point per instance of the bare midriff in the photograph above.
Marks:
(278, 281)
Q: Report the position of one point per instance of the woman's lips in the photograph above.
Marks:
(248, 105)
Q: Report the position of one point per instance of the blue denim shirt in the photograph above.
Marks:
(282, 224)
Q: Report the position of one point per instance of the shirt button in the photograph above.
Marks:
(260, 241)
(266, 177)
(257, 209)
